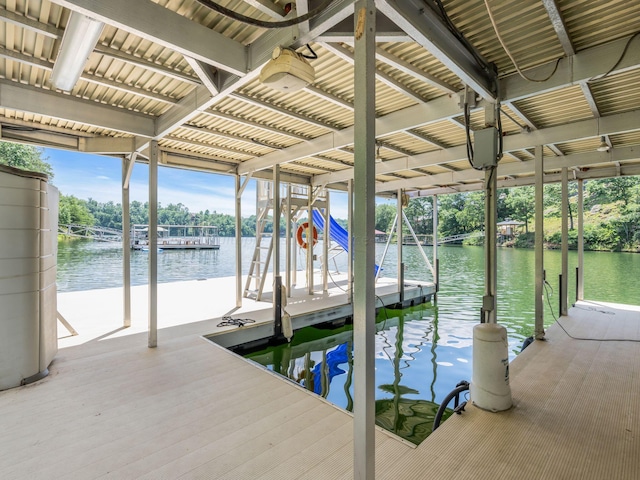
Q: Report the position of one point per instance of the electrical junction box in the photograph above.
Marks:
(485, 149)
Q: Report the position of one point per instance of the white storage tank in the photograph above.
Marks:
(28, 260)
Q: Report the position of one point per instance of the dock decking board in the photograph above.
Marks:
(112, 408)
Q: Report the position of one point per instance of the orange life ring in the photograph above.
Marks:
(301, 230)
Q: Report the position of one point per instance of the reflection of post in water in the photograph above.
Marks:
(434, 356)
(397, 374)
(307, 371)
(347, 383)
(324, 375)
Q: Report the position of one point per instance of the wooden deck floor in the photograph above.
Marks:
(112, 408)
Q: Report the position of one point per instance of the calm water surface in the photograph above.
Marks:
(421, 352)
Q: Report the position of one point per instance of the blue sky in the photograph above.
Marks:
(92, 176)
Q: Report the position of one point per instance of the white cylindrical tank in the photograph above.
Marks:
(490, 388)
(28, 235)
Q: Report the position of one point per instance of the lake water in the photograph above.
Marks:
(421, 352)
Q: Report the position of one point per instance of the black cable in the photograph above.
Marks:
(624, 52)
(227, 12)
(313, 56)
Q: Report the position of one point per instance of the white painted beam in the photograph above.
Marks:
(158, 24)
(56, 105)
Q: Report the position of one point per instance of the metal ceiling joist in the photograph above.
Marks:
(513, 88)
(29, 24)
(386, 31)
(510, 182)
(93, 79)
(388, 80)
(267, 7)
(206, 75)
(259, 52)
(257, 125)
(230, 136)
(558, 25)
(406, 67)
(584, 129)
(426, 29)
(583, 66)
(150, 21)
(110, 145)
(329, 97)
(41, 102)
(411, 117)
(513, 169)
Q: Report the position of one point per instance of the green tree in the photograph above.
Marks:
(521, 203)
(25, 157)
(384, 217)
(72, 210)
(471, 217)
(419, 212)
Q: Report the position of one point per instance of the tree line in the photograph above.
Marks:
(612, 210)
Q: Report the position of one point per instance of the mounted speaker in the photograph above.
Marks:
(287, 71)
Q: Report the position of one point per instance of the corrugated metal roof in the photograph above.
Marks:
(137, 74)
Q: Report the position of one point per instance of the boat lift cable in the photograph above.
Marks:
(458, 407)
(548, 287)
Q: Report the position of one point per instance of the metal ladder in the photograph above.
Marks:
(263, 249)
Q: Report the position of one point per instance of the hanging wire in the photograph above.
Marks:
(508, 52)
(313, 56)
(227, 12)
(622, 55)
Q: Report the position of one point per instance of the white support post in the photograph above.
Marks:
(565, 242)
(288, 240)
(126, 245)
(580, 286)
(436, 266)
(490, 302)
(350, 239)
(399, 240)
(153, 244)
(539, 244)
(276, 221)
(326, 240)
(364, 248)
(309, 250)
(238, 204)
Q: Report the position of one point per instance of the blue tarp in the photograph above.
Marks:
(336, 232)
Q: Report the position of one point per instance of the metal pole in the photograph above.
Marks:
(539, 241)
(565, 240)
(489, 303)
(350, 239)
(326, 240)
(364, 249)
(153, 244)
(288, 240)
(580, 286)
(309, 251)
(277, 280)
(238, 243)
(435, 242)
(126, 245)
(399, 240)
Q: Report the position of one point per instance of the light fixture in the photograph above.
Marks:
(603, 147)
(79, 40)
(378, 156)
(287, 71)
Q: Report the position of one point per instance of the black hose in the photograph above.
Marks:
(455, 393)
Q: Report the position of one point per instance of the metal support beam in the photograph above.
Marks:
(539, 244)
(399, 241)
(326, 240)
(565, 242)
(489, 302)
(126, 243)
(153, 244)
(309, 249)
(426, 28)
(288, 263)
(558, 25)
(364, 248)
(350, 239)
(277, 280)
(580, 282)
(436, 265)
(238, 204)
